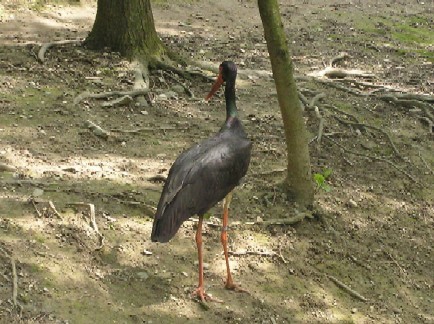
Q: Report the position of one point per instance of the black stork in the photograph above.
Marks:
(204, 175)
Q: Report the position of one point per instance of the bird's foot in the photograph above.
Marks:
(232, 286)
(204, 297)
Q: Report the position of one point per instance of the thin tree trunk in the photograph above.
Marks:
(299, 179)
(126, 27)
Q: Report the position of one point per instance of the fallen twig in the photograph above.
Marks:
(6, 168)
(92, 222)
(32, 200)
(98, 131)
(320, 127)
(332, 72)
(347, 289)
(14, 282)
(260, 253)
(46, 46)
(53, 208)
(147, 129)
(283, 221)
(272, 171)
(425, 163)
(342, 56)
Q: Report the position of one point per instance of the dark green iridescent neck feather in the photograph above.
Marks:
(231, 106)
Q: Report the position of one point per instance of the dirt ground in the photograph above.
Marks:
(372, 231)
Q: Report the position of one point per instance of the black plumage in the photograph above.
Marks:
(205, 174)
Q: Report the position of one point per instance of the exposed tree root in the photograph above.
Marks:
(377, 158)
(334, 108)
(141, 81)
(186, 73)
(371, 127)
(45, 47)
(87, 95)
(187, 90)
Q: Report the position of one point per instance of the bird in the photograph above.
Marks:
(203, 175)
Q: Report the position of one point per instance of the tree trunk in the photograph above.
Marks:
(126, 27)
(298, 181)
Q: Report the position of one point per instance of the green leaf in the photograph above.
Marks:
(207, 215)
(327, 173)
(319, 179)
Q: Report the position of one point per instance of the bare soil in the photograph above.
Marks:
(373, 231)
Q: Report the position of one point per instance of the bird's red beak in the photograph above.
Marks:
(217, 84)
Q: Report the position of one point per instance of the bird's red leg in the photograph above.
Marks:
(199, 291)
(224, 239)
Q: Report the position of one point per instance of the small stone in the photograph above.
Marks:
(178, 88)
(146, 252)
(354, 310)
(142, 275)
(352, 203)
(37, 192)
(185, 274)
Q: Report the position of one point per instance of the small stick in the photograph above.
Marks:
(53, 208)
(342, 56)
(343, 286)
(147, 129)
(260, 253)
(6, 168)
(92, 222)
(320, 126)
(426, 164)
(14, 282)
(272, 171)
(36, 208)
(98, 131)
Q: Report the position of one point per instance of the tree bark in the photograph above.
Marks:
(298, 182)
(126, 27)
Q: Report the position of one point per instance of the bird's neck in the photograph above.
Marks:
(231, 106)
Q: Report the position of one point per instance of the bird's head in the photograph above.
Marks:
(227, 72)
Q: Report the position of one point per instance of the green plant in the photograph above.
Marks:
(321, 179)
